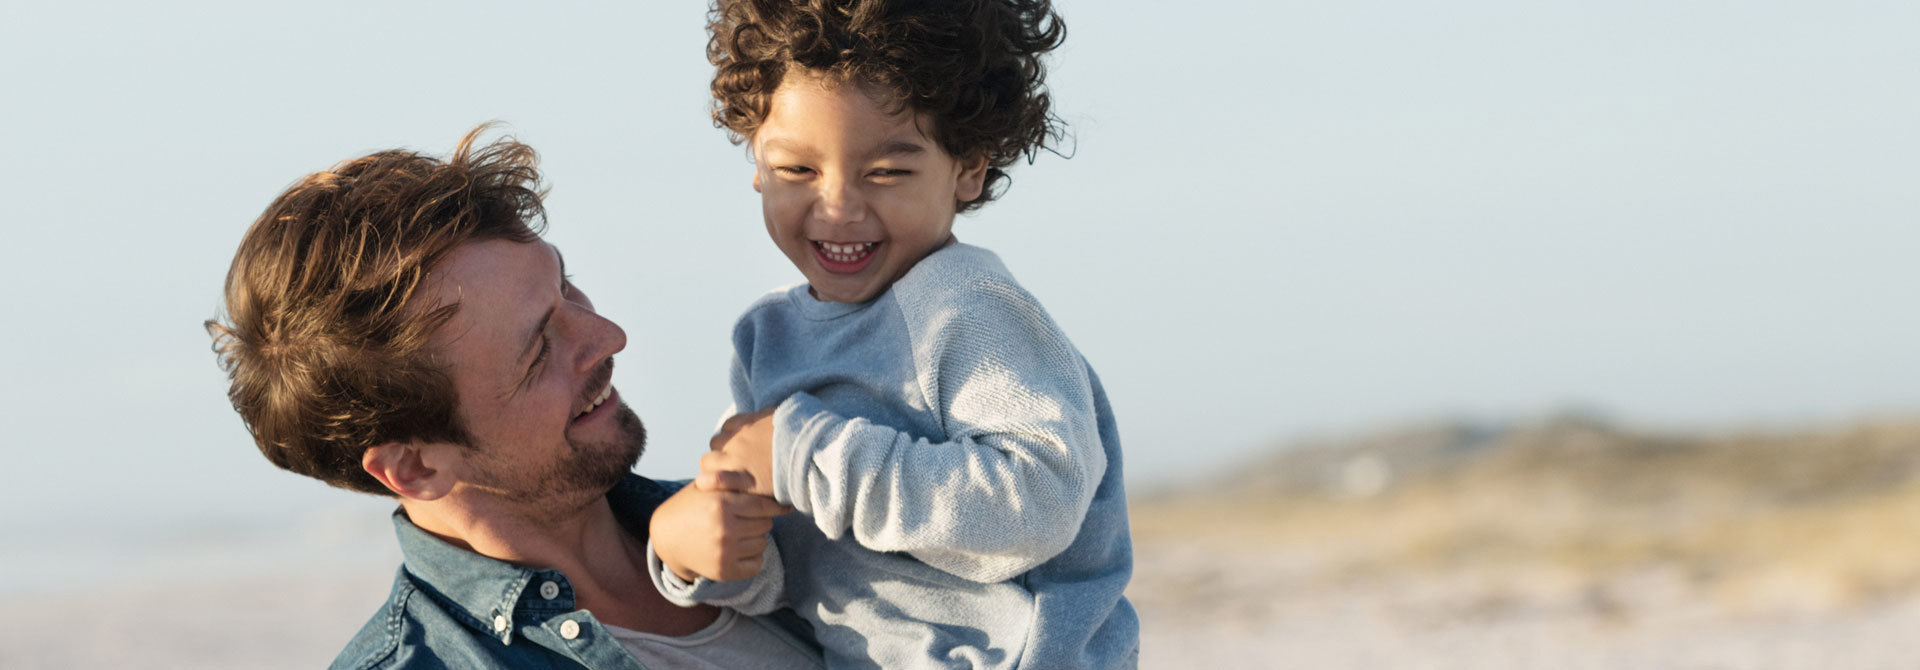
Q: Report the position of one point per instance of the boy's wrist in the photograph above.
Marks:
(671, 574)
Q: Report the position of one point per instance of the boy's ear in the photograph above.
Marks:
(972, 179)
(413, 470)
(756, 179)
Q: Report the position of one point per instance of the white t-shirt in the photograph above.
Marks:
(732, 641)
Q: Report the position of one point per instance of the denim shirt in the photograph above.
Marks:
(452, 608)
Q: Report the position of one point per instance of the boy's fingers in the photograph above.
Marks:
(752, 547)
(752, 506)
(724, 480)
(719, 439)
(744, 568)
(732, 425)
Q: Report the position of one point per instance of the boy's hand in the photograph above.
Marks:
(717, 533)
(743, 445)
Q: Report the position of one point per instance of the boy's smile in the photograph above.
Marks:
(853, 191)
(844, 259)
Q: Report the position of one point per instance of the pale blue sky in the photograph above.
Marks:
(1281, 218)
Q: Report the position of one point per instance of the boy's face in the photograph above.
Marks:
(852, 194)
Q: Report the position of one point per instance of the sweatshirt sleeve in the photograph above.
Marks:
(1008, 488)
(764, 593)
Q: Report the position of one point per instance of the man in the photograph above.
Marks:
(396, 326)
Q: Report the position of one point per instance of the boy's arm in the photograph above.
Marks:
(1008, 491)
(700, 546)
(711, 546)
(760, 594)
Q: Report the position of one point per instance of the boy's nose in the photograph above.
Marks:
(840, 201)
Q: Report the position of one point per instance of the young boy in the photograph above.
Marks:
(953, 458)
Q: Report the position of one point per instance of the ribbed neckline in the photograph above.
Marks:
(821, 310)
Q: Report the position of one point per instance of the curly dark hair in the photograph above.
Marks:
(326, 333)
(972, 66)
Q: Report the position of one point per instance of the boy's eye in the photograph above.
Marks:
(891, 173)
(794, 170)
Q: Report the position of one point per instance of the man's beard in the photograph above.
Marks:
(585, 473)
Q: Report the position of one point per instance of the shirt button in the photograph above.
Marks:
(549, 590)
(499, 623)
(570, 629)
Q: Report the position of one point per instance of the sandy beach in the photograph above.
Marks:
(1205, 606)
(1566, 545)
(1201, 606)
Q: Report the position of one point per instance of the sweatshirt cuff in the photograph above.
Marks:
(797, 423)
(684, 593)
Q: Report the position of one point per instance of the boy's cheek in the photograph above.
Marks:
(783, 203)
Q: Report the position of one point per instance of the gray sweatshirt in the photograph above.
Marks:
(956, 470)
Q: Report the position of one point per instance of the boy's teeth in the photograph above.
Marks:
(846, 253)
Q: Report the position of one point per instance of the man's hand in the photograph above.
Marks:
(743, 445)
(717, 532)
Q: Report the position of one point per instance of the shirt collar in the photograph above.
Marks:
(493, 594)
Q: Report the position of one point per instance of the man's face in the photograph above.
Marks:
(854, 193)
(532, 368)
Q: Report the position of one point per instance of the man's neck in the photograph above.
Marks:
(605, 564)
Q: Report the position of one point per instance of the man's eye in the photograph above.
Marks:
(546, 346)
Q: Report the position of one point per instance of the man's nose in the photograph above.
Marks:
(599, 336)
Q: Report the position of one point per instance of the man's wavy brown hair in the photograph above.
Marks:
(326, 333)
(973, 66)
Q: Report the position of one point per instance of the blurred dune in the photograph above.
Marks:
(1567, 542)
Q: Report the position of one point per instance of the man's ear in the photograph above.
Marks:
(971, 180)
(411, 470)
